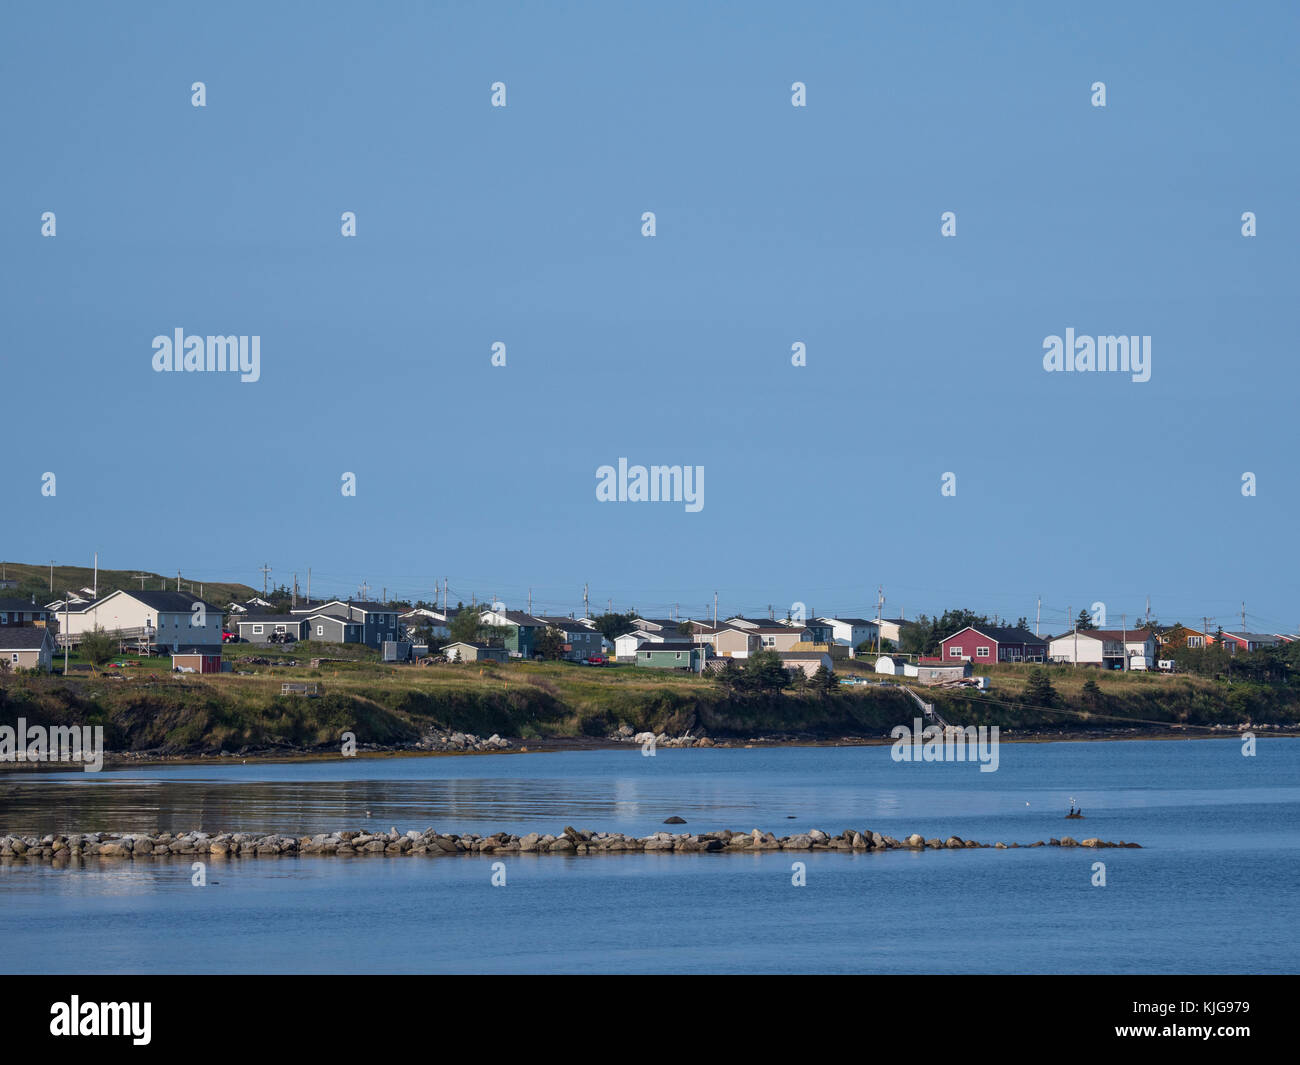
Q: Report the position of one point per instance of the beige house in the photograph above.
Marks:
(474, 652)
(27, 647)
(732, 643)
(806, 661)
(778, 638)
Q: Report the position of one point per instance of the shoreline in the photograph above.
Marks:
(557, 744)
(63, 850)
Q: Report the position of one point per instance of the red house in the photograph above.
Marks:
(990, 643)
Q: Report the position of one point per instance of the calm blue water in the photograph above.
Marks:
(1213, 890)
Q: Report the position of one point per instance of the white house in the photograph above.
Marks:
(849, 632)
(175, 621)
(1108, 648)
(625, 646)
(420, 618)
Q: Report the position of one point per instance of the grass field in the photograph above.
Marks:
(36, 580)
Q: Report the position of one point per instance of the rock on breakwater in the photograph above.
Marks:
(431, 843)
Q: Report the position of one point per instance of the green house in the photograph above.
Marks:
(671, 655)
(517, 630)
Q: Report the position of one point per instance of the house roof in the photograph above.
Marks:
(847, 621)
(1251, 637)
(23, 638)
(517, 617)
(175, 602)
(668, 645)
(783, 629)
(20, 604)
(476, 646)
(568, 624)
(262, 619)
(800, 656)
(1001, 634)
(1132, 635)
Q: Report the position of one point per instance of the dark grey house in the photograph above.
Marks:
(263, 628)
(332, 628)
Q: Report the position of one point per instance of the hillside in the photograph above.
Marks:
(150, 710)
(36, 580)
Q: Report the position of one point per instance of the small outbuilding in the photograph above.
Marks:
(196, 662)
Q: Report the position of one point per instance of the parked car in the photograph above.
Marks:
(595, 660)
(229, 637)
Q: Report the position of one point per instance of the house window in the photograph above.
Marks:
(14, 656)
(279, 628)
(679, 654)
(257, 630)
(981, 652)
(954, 652)
(320, 630)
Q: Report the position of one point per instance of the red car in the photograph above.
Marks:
(595, 660)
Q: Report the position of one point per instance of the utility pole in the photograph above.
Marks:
(1147, 623)
(444, 596)
(880, 602)
(1038, 616)
(96, 583)
(67, 639)
(530, 600)
(715, 610)
(141, 578)
(1069, 610)
(308, 581)
(1123, 647)
(585, 611)
(51, 576)
(266, 569)
(178, 580)
(1243, 615)
(293, 603)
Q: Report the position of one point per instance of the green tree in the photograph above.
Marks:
(466, 626)
(729, 675)
(612, 626)
(1084, 621)
(824, 680)
(98, 646)
(549, 643)
(1038, 689)
(764, 671)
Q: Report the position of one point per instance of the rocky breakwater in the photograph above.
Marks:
(436, 739)
(433, 844)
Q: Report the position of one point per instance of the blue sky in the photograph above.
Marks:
(775, 224)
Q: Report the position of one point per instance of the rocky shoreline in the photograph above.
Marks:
(450, 742)
(64, 849)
